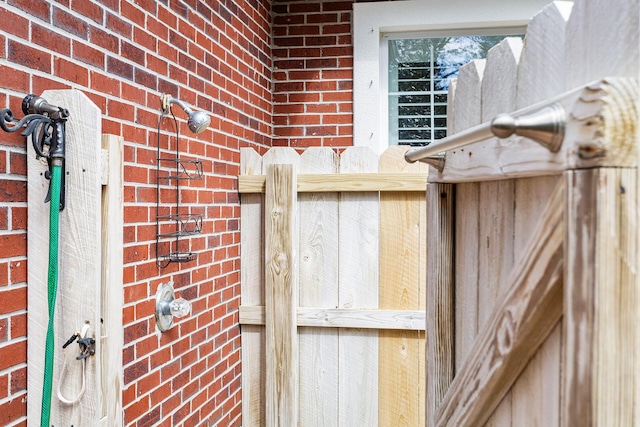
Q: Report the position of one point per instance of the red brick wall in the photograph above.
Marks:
(313, 73)
(123, 55)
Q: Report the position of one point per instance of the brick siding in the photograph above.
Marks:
(312, 74)
(123, 55)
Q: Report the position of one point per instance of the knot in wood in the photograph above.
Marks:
(505, 333)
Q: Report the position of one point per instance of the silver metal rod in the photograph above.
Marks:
(460, 139)
(546, 126)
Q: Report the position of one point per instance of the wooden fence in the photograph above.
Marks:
(530, 288)
(333, 252)
(532, 318)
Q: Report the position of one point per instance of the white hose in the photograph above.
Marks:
(61, 398)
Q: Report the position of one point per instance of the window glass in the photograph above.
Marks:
(420, 71)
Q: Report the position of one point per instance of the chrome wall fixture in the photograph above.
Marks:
(168, 307)
(196, 120)
(545, 126)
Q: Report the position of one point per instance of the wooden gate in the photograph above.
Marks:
(532, 317)
(333, 282)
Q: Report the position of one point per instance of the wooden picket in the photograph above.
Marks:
(358, 279)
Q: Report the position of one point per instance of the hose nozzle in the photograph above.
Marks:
(33, 104)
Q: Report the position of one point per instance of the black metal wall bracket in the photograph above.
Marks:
(45, 124)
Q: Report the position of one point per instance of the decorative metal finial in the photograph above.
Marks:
(545, 126)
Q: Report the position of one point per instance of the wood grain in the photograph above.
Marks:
(440, 296)
(79, 255)
(496, 209)
(343, 182)
(535, 399)
(344, 318)
(519, 325)
(358, 277)
(467, 113)
(601, 41)
(400, 288)
(541, 67)
(601, 298)
(112, 295)
(252, 292)
(318, 231)
(281, 297)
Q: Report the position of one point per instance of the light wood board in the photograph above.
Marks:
(401, 367)
(252, 293)
(79, 255)
(358, 276)
(281, 297)
(601, 299)
(112, 293)
(318, 236)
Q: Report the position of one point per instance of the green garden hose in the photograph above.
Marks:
(45, 123)
(52, 289)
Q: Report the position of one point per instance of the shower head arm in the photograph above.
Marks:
(167, 100)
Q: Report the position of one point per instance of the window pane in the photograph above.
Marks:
(420, 71)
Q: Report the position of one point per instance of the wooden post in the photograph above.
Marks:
(79, 288)
(440, 291)
(601, 298)
(281, 297)
(252, 285)
(112, 297)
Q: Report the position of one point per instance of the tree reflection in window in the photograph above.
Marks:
(420, 71)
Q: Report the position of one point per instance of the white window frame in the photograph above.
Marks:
(371, 21)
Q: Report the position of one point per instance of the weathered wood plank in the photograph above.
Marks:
(466, 114)
(518, 326)
(344, 182)
(112, 295)
(400, 288)
(495, 250)
(318, 230)
(358, 318)
(496, 213)
(535, 397)
(281, 297)
(496, 222)
(541, 66)
(602, 40)
(358, 278)
(440, 296)
(252, 291)
(601, 298)
(501, 73)
(79, 255)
